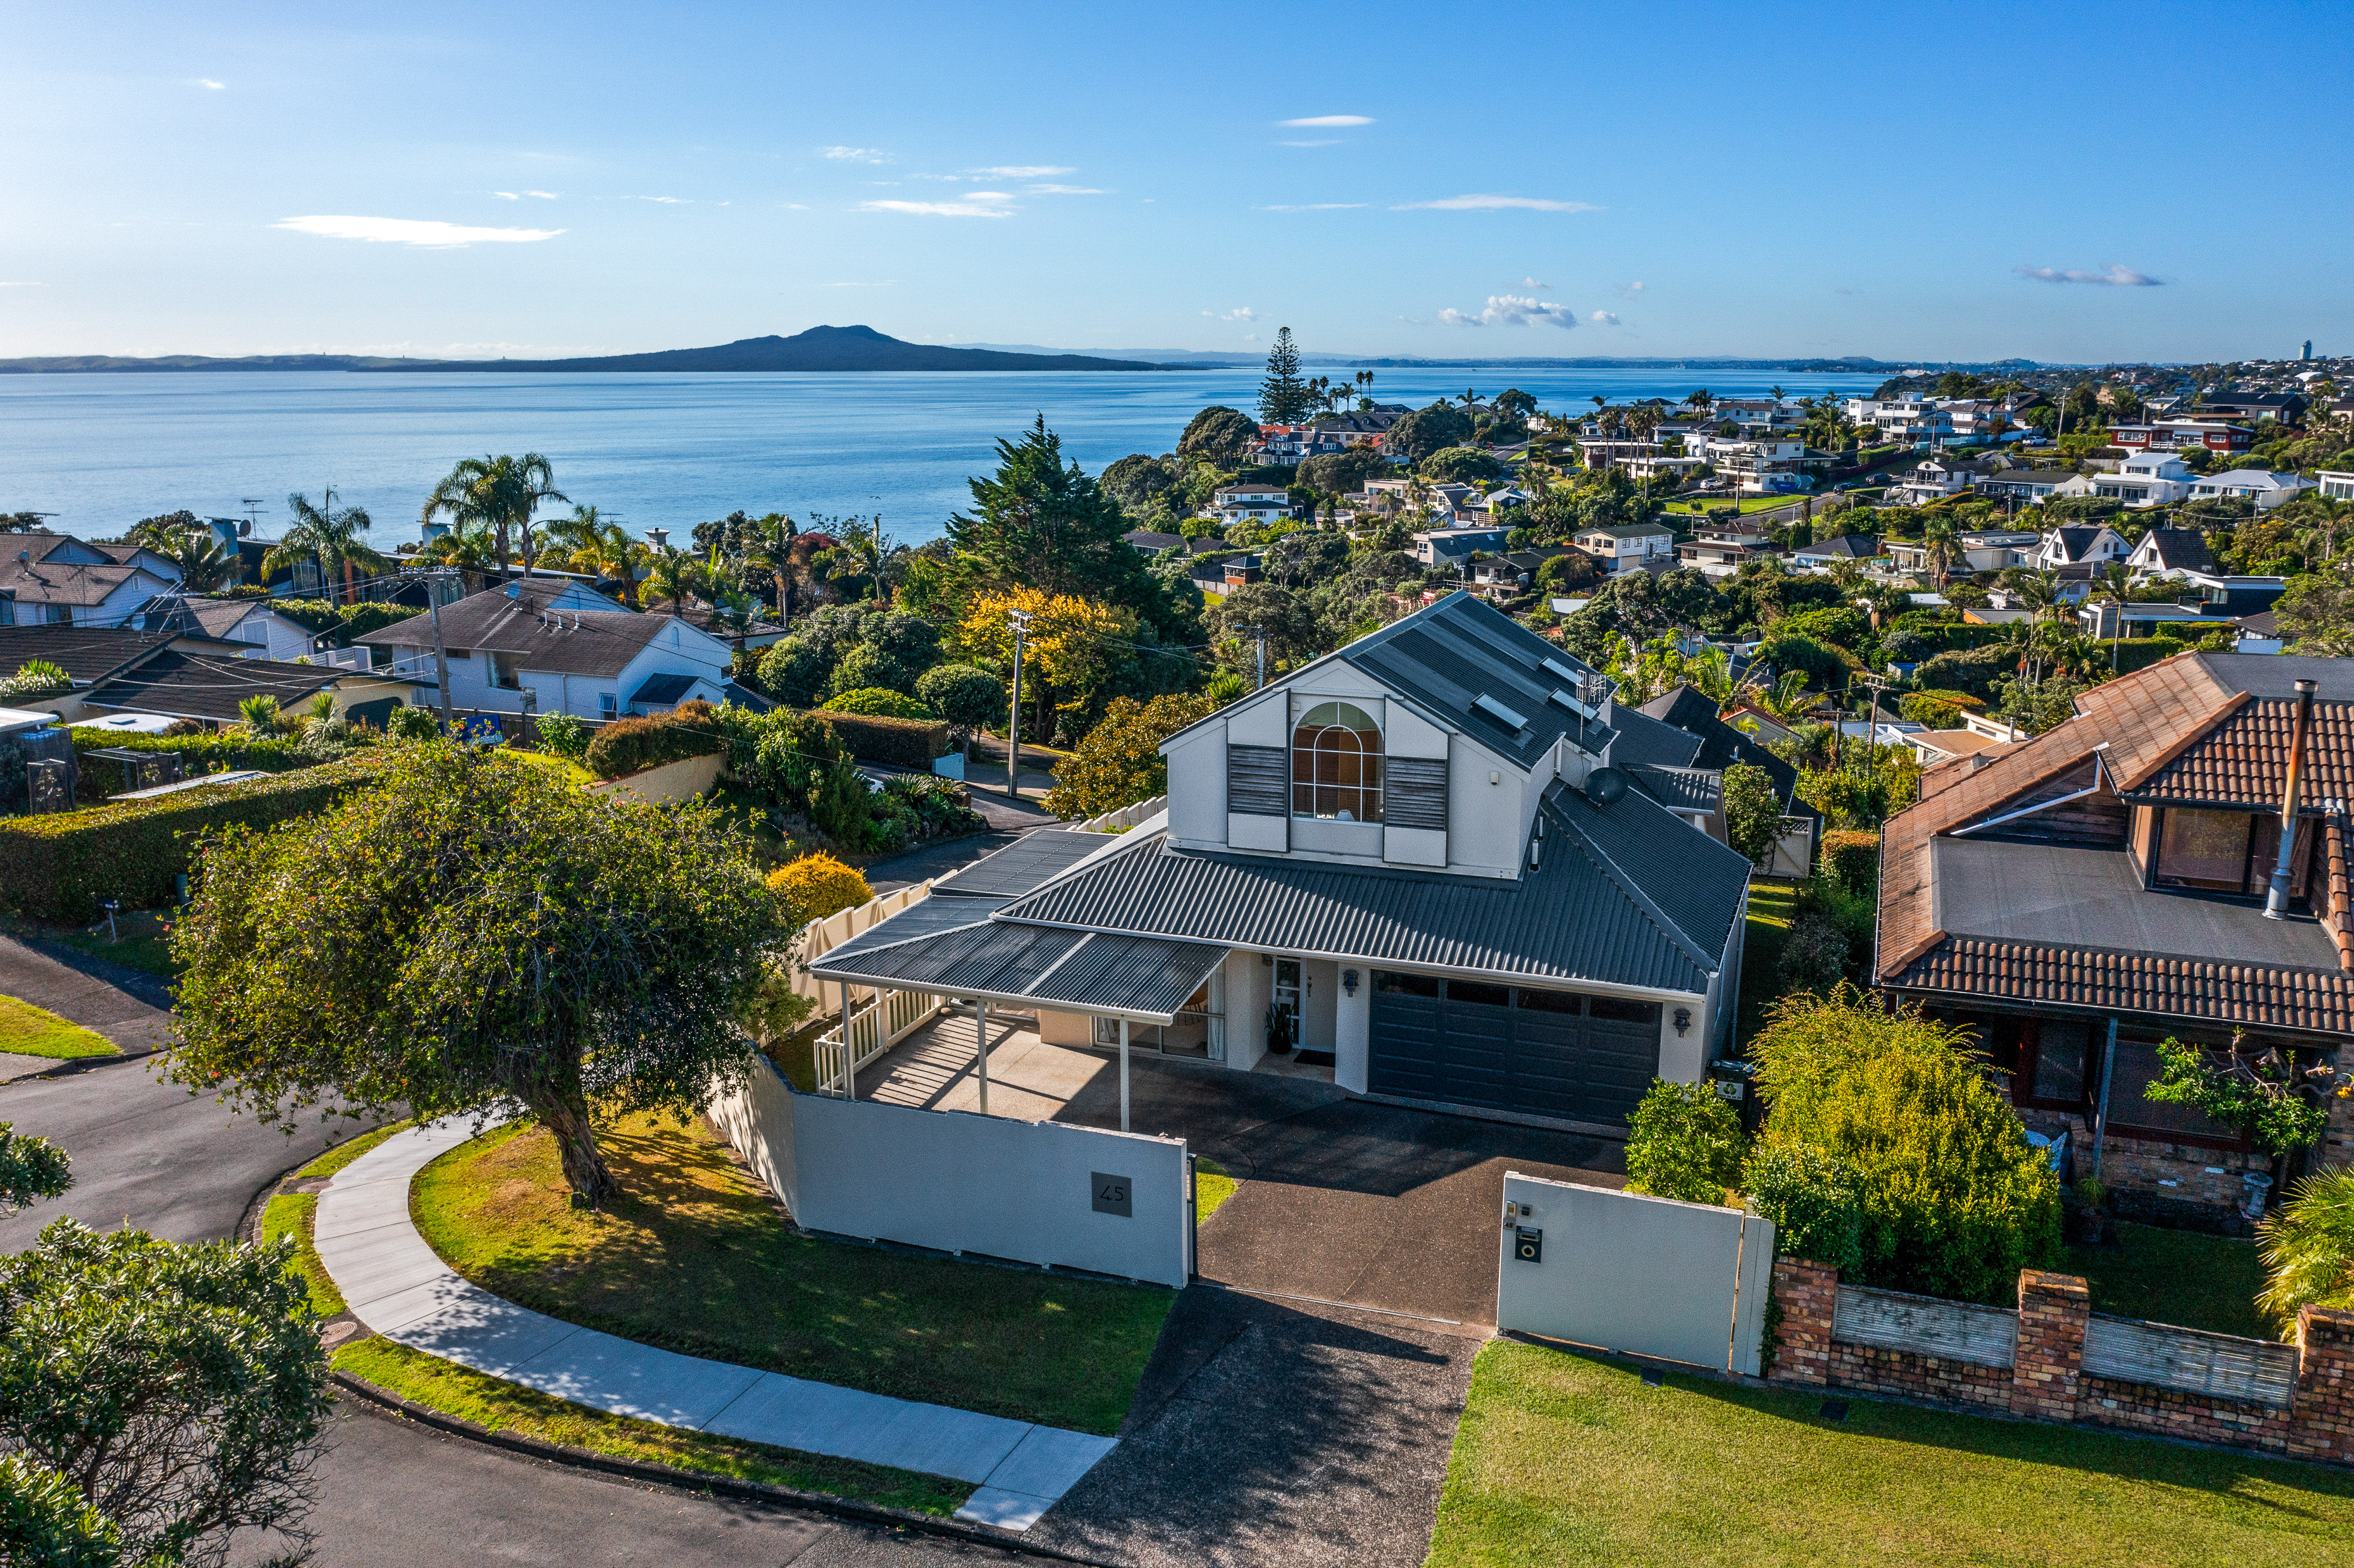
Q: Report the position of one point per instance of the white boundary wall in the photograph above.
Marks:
(1643, 1275)
(958, 1183)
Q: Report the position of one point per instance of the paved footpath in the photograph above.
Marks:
(397, 1285)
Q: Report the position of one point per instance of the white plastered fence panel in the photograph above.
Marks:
(1642, 1276)
(1042, 1193)
(821, 937)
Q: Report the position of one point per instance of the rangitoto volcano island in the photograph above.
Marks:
(820, 348)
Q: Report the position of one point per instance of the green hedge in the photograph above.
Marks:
(897, 742)
(100, 777)
(634, 744)
(1852, 859)
(58, 867)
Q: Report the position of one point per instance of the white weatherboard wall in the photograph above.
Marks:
(1643, 1275)
(960, 1182)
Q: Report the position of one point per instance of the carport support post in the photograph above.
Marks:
(849, 1073)
(981, 1047)
(1123, 1074)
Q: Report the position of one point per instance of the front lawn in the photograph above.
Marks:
(144, 943)
(29, 1031)
(1565, 1459)
(2176, 1276)
(695, 1257)
(1748, 503)
(1771, 907)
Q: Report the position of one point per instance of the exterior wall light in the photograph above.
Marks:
(1349, 982)
(1683, 1020)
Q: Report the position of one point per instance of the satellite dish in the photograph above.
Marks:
(1603, 786)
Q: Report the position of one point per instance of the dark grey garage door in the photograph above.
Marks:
(1545, 1052)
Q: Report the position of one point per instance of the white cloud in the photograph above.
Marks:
(1533, 283)
(1239, 313)
(1512, 309)
(939, 209)
(1315, 207)
(2112, 275)
(1602, 318)
(412, 231)
(1629, 290)
(988, 195)
(506, 196)
(1491, 203)
(543, 195)
(1322, 122)
(666, 201)
(795, 207)
(1020, 172)
(209, 85)
(1062, 190)
(855, 155)
(1327, 142)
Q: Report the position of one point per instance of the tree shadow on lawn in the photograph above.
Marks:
(2122, 1455)
(695, 1257)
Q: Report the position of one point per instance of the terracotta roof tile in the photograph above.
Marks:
(2103, 980)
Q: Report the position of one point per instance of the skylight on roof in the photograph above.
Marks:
(1554, 666)
(1496, 710)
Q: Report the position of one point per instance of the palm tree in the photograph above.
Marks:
(672, 576)
(203, 561)
(329, 537)
(575, 534)
(1941, 544)
(1774, 393)
(499, 491)
(470, 549)
(611, 553)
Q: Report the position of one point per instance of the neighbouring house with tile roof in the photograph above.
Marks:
(208, 687)
(2266, 490)
(249, 623)
(120, 669)
(2170, 552)
(2079, 896)
(1824, 554)
(1424, 857)
(2094, 547)
(594, 663)
(56, 579)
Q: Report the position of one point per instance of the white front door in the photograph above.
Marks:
(1287, 994)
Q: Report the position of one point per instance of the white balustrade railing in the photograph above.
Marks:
(873, 1028)
(1127, 817)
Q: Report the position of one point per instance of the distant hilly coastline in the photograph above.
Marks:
(820, 348)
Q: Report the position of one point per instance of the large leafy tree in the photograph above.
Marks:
(1427, 430)
(473, 930)
(328, 535)
(498, 493)
(1217, 435)
(1284, 395)
(1039, 523)
(180, 1390)
(1118, 762)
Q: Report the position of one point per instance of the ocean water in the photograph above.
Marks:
(101, 451)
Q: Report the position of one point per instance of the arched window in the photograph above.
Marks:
(1336, 764)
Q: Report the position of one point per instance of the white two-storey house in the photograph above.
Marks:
(1442, 861)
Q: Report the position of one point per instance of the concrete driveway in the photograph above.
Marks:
(1379, 1207)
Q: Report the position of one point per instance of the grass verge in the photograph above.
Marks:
(146, 942)
(1565, 1459)
(2176, 1276)
(503, 1406)
(1212, 1187)
(29, 1031)
(292, 1215)
(693, 1257)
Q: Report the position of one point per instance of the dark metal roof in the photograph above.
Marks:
(1626, 895)
(198, 686)
(1680, 788)
(662, 688)
(924, 918)
(1722, 745)
(1135, 976)
(2093, 897)
(1021, 866)
(1646, 741)
(1447, 657)
(84, 652)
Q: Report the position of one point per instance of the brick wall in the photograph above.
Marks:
(2047, 1382)
(2047, 1369)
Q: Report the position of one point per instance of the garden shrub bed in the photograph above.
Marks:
(894, 742)
(198, 754)
(59, 867)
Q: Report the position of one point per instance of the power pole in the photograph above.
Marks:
(441, 653)
(1020, 619)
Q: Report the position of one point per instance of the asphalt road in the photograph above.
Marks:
(148, 1154)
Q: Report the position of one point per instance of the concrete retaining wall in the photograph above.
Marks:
(666, 785)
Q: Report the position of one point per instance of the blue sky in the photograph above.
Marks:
(2072, 182)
